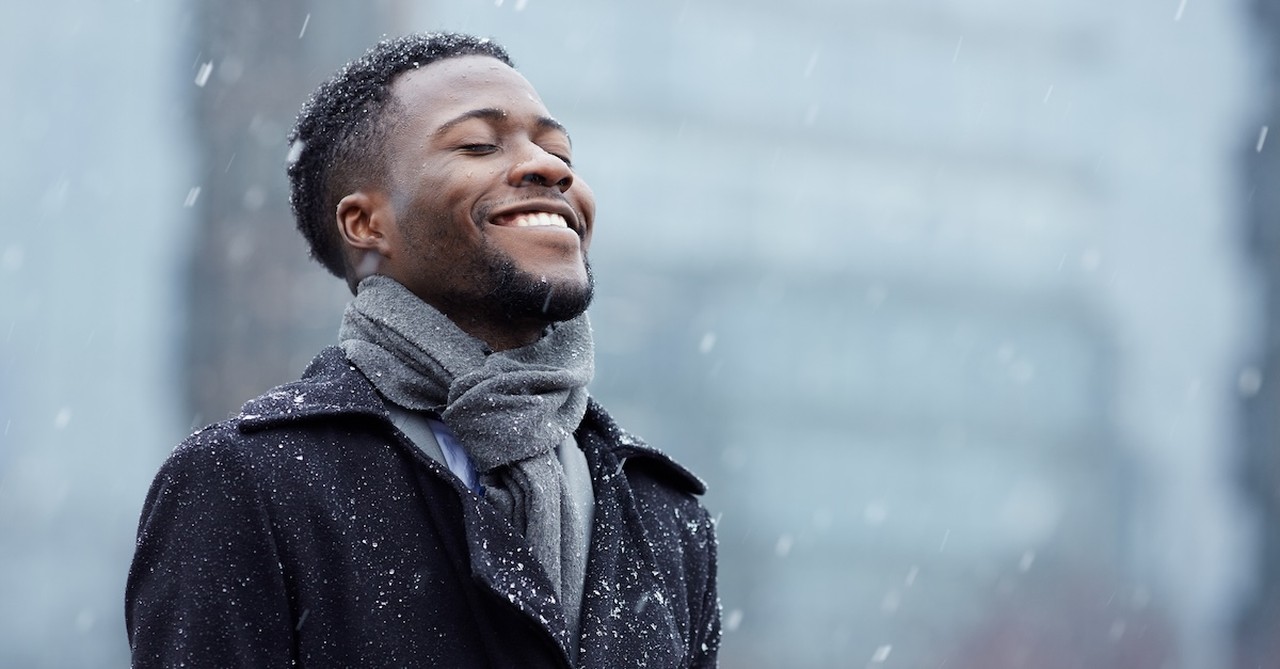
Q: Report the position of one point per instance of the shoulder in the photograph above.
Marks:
(331, 386)
(278, 423)
(636, 457)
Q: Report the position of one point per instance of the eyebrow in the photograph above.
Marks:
(495, 115)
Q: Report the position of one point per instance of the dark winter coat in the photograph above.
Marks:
(308, 531)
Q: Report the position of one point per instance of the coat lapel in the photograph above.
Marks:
(502, 562)
(627, 620)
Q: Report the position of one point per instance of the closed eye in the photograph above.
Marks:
(479, 148)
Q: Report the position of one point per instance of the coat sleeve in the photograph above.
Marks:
(706, 637)
(205, 588)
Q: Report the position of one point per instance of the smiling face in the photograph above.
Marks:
(481, 216)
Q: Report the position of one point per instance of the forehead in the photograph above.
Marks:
(446, 88)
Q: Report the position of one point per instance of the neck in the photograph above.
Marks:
(504, 334)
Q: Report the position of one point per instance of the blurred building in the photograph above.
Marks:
(950, 302)
(1259, 619)
(260, 308)
(95, 171)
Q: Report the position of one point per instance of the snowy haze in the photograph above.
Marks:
(948, 302)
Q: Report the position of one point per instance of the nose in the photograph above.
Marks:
(541, 168)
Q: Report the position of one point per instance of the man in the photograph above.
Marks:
(438, 491)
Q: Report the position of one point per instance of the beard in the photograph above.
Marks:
(519, 295)
(494, 288)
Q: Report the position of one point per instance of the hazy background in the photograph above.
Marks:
(963, 308)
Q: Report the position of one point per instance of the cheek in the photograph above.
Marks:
(585, 202)
(463, 196)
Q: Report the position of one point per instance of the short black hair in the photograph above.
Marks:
(337, 143)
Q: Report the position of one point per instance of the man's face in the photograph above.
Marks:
(490, 221)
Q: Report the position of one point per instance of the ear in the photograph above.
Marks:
(366, 222)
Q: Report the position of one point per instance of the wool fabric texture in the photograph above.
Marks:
(509, 409)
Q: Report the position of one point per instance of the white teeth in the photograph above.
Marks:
(539, 219)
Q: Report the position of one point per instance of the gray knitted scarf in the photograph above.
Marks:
(509, 409)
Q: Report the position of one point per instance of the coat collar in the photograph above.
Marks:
(633, 451)
(330, 386)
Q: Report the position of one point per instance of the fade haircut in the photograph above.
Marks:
(338, 143)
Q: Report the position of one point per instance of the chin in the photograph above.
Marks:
(523, 296)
